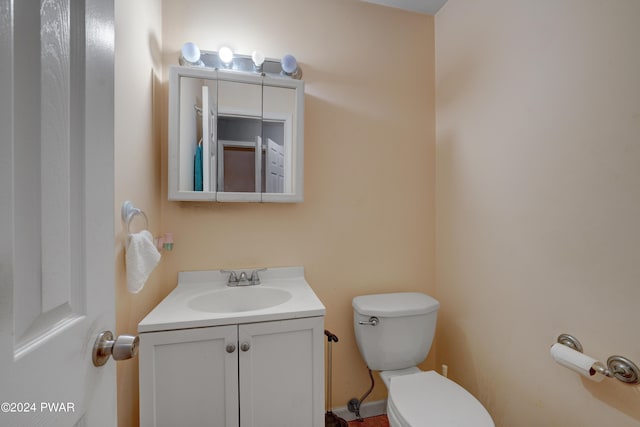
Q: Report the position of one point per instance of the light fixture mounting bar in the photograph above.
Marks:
(244, 63)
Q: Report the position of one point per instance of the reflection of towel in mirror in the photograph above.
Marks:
(197, 168)
(141, 258)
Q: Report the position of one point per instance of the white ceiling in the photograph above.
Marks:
(429, 7)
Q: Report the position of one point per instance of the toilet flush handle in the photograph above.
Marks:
(373, 321)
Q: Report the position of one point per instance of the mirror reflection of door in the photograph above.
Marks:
(274, 169)
(239, 154)
(254, 131)
(274, 165)
(239, 137)
(278, 128)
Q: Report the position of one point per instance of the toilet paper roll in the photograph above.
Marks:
(576, 361)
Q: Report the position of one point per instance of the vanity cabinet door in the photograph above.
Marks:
(189, 378)
(282, 373)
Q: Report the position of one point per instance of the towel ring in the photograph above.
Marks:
(129, 211)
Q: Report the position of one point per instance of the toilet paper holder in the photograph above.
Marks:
(618, 367)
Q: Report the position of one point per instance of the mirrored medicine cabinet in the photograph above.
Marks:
(235, 137)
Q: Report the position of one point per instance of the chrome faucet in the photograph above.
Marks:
(241, 279)
(255, 279)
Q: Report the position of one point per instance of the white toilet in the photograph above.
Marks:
(394, 334)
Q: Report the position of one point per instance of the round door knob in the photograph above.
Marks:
(245, 346)
(122, 348)
(231, 348)
(125, 347)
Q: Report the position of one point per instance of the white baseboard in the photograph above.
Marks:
(367, 409)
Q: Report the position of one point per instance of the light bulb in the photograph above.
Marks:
(226, 55)
(190, 53)
(257, 58)
(289, 64)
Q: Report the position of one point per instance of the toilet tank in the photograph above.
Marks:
(404, 332)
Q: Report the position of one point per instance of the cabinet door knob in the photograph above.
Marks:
(231, 348)
(245, 346)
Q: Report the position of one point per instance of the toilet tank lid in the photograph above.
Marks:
(395, 304)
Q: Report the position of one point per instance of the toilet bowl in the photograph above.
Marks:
(394, 333)
(429, 399)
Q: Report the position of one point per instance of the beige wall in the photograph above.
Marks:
(138, 71)
(538, 206)
(367, 223)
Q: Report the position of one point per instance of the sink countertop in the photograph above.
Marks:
(174, 313)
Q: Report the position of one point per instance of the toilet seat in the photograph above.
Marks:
(427, 399)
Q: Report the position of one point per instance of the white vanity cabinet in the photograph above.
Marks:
(245, 375)
(235, 136)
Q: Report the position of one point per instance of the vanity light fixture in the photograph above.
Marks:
(258, 59)
(290, 66)
(190, 55)
(226, 55)
(225, 59)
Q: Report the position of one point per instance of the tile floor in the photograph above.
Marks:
(379, 421)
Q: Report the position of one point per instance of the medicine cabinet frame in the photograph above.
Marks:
(181, 150)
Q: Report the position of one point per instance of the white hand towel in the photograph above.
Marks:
(141, 258)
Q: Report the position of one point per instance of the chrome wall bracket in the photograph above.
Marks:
(624, 369)
(570, 341)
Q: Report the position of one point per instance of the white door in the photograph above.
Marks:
(56, 211)
(275, 167)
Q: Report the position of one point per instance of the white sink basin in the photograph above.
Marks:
(239, 299)
(203, 299)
